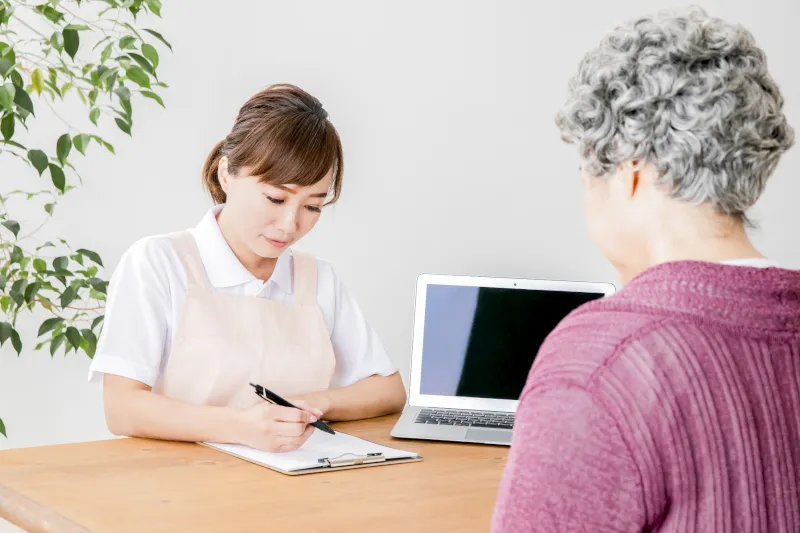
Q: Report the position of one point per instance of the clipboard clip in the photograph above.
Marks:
(350, 459)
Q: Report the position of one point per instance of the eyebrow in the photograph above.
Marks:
(291, 191)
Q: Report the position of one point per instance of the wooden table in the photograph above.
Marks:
(140, 485)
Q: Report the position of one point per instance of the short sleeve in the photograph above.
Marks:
(138, 307)
(569, 469)
(359, 352)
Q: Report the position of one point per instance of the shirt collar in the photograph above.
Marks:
(222, 266)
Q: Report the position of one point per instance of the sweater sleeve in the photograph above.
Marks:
(569, 468)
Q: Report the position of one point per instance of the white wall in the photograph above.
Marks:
(453, 163)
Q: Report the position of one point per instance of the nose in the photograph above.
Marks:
(287, 222)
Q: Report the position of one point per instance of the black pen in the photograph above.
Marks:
(274, 398)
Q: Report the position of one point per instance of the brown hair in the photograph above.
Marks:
(283, 135)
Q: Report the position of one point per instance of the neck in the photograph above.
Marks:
(694, 234)
(260, 267)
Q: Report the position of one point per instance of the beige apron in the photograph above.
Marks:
(225, 342)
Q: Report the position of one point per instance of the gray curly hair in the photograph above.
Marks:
(689, 94)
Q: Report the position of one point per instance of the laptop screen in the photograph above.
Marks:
(480, 342)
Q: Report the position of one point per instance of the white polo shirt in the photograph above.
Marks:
(148, 287)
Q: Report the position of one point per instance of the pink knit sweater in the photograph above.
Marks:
(672, 406)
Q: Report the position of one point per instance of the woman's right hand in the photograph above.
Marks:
(274, 428)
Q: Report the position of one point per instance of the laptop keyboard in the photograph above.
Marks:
(480, 419)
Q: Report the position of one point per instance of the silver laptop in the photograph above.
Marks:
(474, 342)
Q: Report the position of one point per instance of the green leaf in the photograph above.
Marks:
(17, 291)
(55, 343)
(74, 337)
(101, 41)
(63, 147)
(60, 263)
(139, 76)
(81, 142)
(108, 146)
(7, 125)
(57, 175)
(8, 52)
(16, 255)
(94, 115)
(67, 297)
(127, 43)
(98, 285)
(154, 96)
(52, 14)
(49, 325)
(16, 79)
(144, 63)
(159, 37)
(37, 80)
(16, 342)
(76, 27)
(126, 106)
(5, 66)
(155, 6)
(3, 281)
(39, 160)
(39, 264)
(49, 208)
(105, 74)
(149, 51)
(3, 428)
(7, 93)
(89, 335)
(22, 99)
(31, 290)
(57, 41)
(123, 93)
(123, 125)
(90, 255)
(71, 42)
(5, 332)
(12, 226)
(97, 321)
(106, 53)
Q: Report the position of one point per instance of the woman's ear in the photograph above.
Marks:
(628, 178)
(223, 175)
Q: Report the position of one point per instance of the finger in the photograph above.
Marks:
(293, 443)
(304, 405)
(290, 414)
(288, 429)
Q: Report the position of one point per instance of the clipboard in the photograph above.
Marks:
(322, 453)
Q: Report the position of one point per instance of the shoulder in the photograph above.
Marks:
(152, 248)
(153, 256)
(589, 339)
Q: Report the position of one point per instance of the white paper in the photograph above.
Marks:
(320, 445)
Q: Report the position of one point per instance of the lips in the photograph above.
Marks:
(276, 243)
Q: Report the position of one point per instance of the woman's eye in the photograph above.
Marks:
(274, 200)
(314, 209)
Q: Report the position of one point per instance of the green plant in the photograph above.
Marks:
(63, 53)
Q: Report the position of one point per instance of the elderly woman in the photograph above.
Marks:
(674, 405)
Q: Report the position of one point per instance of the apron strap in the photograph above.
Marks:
(305, 278)
(189, 254)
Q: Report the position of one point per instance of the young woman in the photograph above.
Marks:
(194, 317)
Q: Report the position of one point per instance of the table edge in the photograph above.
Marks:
(32, 516)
